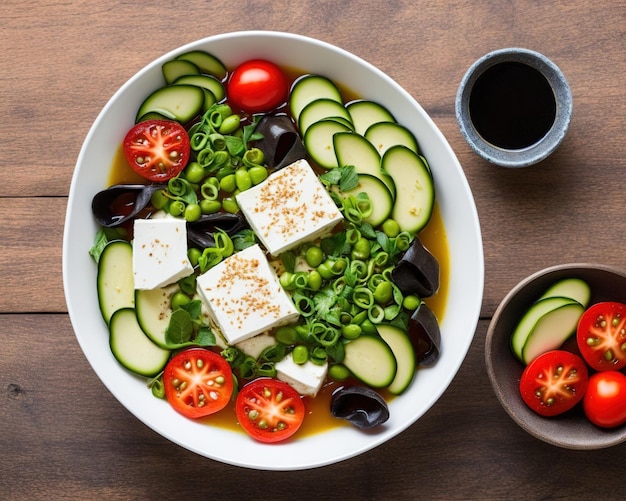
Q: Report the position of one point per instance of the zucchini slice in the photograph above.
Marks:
(370, 360)
(207, 82)
(365, 113)
(384, 135)
(552, 330)
(528, 322)
(380, 197)
(115, 283)
(132, 348)
(400, 344)
(179, 102)
(353, 149)
(153, 311)
(309, 88)
(415, 190)
(574, 288)
(318, 141)
(173, 70)
(206, 63)
(319, 110)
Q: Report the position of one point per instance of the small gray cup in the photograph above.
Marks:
(535, 89)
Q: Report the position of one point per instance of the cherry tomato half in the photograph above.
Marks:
(257, 86)
(269, 410)
(605, 401)
(601, 336)
(554, 382)
(157, 150)
(197, 382)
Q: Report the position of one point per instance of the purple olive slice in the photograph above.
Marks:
(425, 335)
(281, 143)
(359, 405)
(417, 272)
(110, 206)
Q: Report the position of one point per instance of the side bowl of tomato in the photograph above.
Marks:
(570, 429)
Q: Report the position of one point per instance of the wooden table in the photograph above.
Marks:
(62, 434)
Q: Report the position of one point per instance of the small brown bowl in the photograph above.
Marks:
(570, 430)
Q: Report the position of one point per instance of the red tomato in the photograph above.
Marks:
(269, 410)
(198, 382)
(257, 86)
(554, 382)
(601, 336)
(605, 400)
(157, 149)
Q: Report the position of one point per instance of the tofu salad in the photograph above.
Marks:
(270, 252)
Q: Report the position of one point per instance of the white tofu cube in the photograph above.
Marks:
(254, 346)
(306, 379)
(159, 252)
(290, 207)
(244, 296)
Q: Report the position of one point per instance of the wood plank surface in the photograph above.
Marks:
(63, 435)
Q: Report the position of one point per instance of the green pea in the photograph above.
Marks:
(258, 174)
(359, 317)
(338, 372)
(230, 124)
(314, 280)
(300, 354)
(325, 270)
(411, 302)
(287, 280)
(192, 212)
(351, 331)
(194, 254)
(177, 208)
(361, 249)
(314, 256)
(228, 183)
(286, 335)
(391, 228)
(194, 173)
(178, 299)
(368, 327)
(242, 179)
(159, 199)
(210, 206)
(383, 293)
(230, 205)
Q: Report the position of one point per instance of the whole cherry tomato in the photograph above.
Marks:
(605, 401)
(257, 86)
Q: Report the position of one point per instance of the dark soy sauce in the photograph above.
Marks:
(512, 105)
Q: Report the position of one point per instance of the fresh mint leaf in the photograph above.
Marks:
(102, 238)
(180, 328)
(289, 261)
(205, 337)
(194, 308)
(243, 239)
(349, 178)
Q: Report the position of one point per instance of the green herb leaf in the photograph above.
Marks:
(180, 328)
(205, 337)
(243, 239)
(349, 178)
(194, 308)
(234, 145)
(289, 261)
(103, 237)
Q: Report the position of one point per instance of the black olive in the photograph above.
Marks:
(359, 405)
(417, 272)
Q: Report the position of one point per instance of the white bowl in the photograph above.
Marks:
(455, 201)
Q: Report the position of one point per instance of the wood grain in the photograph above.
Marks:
(63, 435)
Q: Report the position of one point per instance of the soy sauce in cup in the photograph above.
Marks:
(512, 105)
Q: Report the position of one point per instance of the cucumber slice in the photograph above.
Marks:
(354, 149)
(206, 63)
(370, 360)
(319, 110)
(153, 311)
(173, 70)
(552, 330)
(115, 284)
(384, 135)
(153, 115)
(180, 102)
(415, 190)
(380, 197)
(400, 344)
(574, 288)
(529, 321)
(207, 82)
(132, 348)
(366, 113)
(318, 141)
(308, 89)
